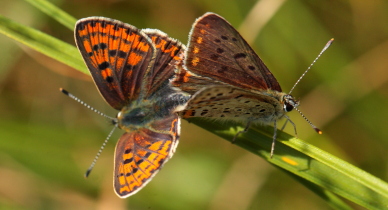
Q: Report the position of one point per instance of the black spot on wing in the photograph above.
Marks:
(214, 57)
(129, 160)
(101, 46)
(104, 65)
(109, 79)
(251, 67)
(223, 69)
(240, 55)
(219, 50)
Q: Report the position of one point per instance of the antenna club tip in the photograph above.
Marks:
(87, 173)
(64, 91)
(330, 42)
(318, 130)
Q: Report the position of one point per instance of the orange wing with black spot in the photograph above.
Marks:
(130, 64)
(140, 154)
(118, 56)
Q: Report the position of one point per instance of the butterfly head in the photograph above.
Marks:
(289, 103)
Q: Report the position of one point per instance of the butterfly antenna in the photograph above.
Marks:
(315, 60)
(85, 104)
(309, 122)
(99, 152)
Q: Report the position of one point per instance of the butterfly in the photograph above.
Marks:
(227, 78)
(131, 69)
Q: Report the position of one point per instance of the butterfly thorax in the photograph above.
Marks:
(142, 112)
(168, 100)
(279, 101)
(266, 106)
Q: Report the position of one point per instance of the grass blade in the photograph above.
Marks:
(43, 43)
(54, 12)
(308, 162)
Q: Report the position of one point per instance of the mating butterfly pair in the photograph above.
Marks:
(134, 71)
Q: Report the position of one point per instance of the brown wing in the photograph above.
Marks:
(216, 50)
(118, 56)
(140, 154)
(227, 102)
(190, 82)
(169, 53)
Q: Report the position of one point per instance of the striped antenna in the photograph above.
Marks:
(315, 60)
(113, 120)
(99, 153)
(300, 78)
(86, 105)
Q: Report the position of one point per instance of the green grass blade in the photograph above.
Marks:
(54, 12)
(308, 162)
(332, 199)
(43, 43)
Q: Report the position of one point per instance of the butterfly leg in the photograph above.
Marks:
(274, 138)
(284, 125)
(243, 131)
(292, 123)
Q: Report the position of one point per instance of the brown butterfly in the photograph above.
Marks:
(227, 78)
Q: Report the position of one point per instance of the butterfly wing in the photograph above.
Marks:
(169, 53)
(190, 83)
(118, 56)
(227, 102)
(216, 50)
(140, 154)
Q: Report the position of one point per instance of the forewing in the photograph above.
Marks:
(218, 51)
(117, 54)
(140, 154)
(190, 82)
(169, 54)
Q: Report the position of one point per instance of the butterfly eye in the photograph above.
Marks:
(288, 107)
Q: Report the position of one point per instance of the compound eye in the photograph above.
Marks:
(288, 107)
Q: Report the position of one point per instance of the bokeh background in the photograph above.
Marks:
(47, 140)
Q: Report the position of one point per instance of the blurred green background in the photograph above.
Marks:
(47, 140)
